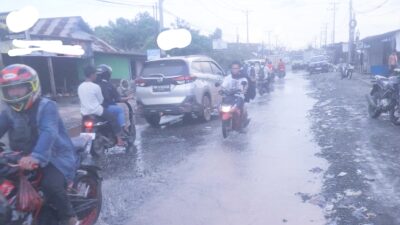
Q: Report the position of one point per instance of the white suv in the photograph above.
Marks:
(178, 85)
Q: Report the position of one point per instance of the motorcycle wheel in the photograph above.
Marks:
(225, 128)
(94, 192)
(373, 111)
(98, 148)
(350, 75)
(394, 114)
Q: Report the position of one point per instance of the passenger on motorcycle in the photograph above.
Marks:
(91, 98)
(110, 94)
(36, 130)
(235, 81)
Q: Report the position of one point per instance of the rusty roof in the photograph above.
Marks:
(70, 28)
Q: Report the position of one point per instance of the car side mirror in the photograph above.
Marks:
(218, 84)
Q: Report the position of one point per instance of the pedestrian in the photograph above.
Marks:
(392, 62)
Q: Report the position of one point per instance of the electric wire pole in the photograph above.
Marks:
(161, 11)
(352, 26)
(334, 21)
(247, 25)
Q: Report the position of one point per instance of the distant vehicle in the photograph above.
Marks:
(298, 63)
(179, 86)
(319, 64)
(346, 70)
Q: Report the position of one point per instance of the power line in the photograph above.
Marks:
(373, 9)
(201, 3)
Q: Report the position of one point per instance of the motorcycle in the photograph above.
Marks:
(84, 193)
(281, 73)
(384, 97)
(347, 71)
(231, 115)
(262, 83)
(103, 137)
(271, 73)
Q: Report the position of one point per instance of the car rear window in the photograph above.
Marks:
(318, 59)
(167, 68)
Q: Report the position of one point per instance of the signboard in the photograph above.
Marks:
(153, 54)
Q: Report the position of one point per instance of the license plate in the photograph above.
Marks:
(318, 68)
(88, 135)
(162, 88)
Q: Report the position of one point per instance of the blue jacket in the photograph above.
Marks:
(50, 142)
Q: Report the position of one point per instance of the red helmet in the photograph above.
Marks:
(19, 86)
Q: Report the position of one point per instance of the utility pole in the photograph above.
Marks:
(326, 34)
(237, 35)
(161, 11)
(156, 9)
(247, 25)
(352, 26)
(334, 21)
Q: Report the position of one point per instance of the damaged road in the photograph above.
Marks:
(361, 185)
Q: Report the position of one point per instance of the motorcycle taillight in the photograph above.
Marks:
(6, 187)
(88, 125)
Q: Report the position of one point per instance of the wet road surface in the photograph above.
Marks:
(361, 185)
(187, 173)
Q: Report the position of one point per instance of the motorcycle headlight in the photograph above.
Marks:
(226, 108)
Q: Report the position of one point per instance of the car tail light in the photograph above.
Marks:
(6, 188)
(140, 82)
(184, 79)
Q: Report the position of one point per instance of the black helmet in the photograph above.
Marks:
(104, 71)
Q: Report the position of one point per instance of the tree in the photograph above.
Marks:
(217, 34)
(138, 34)
(201, 44)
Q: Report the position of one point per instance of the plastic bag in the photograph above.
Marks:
(28, 199)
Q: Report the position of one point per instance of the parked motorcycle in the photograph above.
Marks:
(84, 193)
(231, 116)
(384, 97)
(347, 71)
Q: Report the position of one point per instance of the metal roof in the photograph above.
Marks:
(70, 28)
(381, 36)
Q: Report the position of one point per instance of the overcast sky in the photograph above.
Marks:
(294, 23)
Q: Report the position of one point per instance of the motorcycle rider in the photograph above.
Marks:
(110, 94)
(237, 81)
(91, 99)
(36, 130)
(281, 65)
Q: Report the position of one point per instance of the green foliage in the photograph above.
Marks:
(137, 34)
(141, 34)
